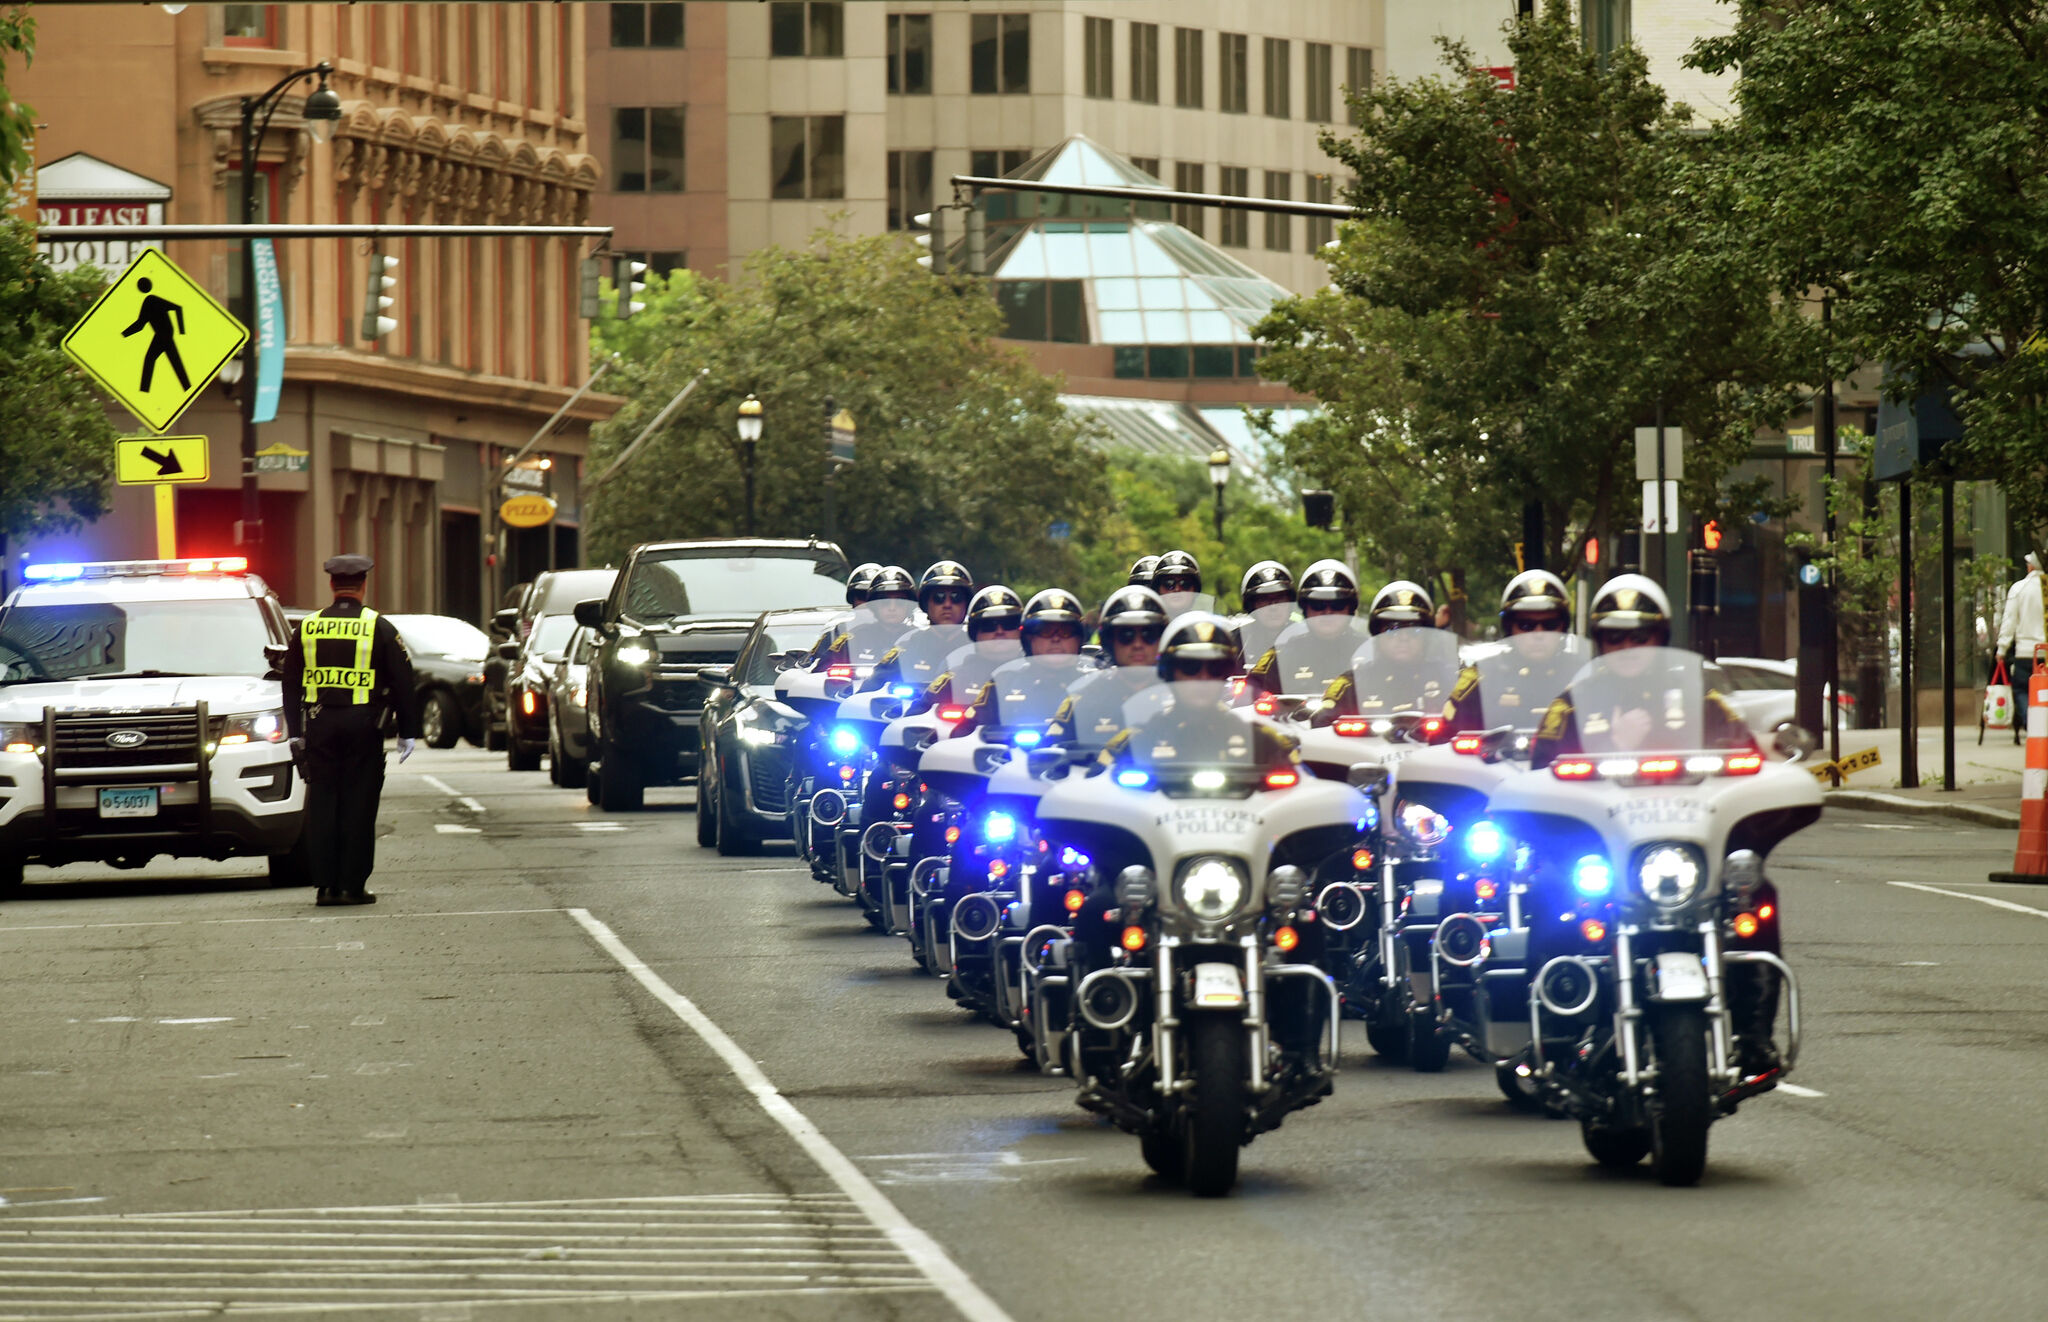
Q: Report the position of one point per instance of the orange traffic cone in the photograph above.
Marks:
(2030, 860)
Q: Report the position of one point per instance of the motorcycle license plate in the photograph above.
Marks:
(1218, 987)
(1680, 977)
(128, 802)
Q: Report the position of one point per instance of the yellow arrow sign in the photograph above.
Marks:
(146, 461)
(154, 340)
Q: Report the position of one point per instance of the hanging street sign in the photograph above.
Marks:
(154, 340)
(278, 457)
(147, 461)
(841, 433)
(527, 511)
(269, 332)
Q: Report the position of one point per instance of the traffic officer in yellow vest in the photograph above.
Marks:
(345, 669)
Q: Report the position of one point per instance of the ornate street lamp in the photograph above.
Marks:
(750, 436)
(1219, 477)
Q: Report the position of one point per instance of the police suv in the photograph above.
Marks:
(141, 714)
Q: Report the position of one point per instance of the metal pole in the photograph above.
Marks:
(252, 498)
(747, 467)
(1831, 660)
(175, 233)
(1948, 633)
(590, 488)
(1219, 512)
(831, 472)
(1909, 706)
(570, 403)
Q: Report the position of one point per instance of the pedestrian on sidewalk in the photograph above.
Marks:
(2019, 633)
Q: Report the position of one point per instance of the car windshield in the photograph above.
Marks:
(673, 585)
(558, 593)
(442, 635)
(551, 634)
(761, 668)
(176, 637)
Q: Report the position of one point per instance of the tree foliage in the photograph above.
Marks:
(56, 445)
(964, 449)
(1892, 153)
(17, 121)
(1535, 271)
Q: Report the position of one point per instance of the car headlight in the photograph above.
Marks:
(1424, 825)
(1669, 876)
(21, 738)
(760, 736)
(261, 727)
(1212, 888)
(633, 654)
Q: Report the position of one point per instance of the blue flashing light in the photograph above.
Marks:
(1485, 842)
(1071, 857)
(1027, 738)
(1133, 779)
(903, 690)
(45, 573)
(1371, 820)
(845, 740)
(999, 828)
(1591, 876)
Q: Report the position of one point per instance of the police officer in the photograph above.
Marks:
(919, 656)
(856, 612)
(1308, 656)
(1142, 570)
(1516, 687)
(994, 617)
(1098, 707)
(1177, 578)
(1266, 594)
(1030, 690)
(345, 669)
(1407, 662)
(884, 617)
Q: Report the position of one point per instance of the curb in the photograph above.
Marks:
(1872, 801)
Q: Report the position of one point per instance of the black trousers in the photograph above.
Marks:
(344, 781)
(2022, 672)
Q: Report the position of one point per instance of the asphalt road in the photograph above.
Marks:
(574, 1067)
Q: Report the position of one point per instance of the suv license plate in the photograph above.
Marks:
(128, 802)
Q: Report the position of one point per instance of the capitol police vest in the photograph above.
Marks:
(337, 651)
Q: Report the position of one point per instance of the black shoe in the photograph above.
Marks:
(327, 898)
(354, 897)
(1756, 1059)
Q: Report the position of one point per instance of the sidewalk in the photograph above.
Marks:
(1987, 776)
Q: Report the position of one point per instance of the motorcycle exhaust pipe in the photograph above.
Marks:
(875, 842)
(828, 807)
(1568, 986)
(1461, 940)
(977, 917)
(921, 874)
(1039, 944)
(1342, 905)
(1108, 1000)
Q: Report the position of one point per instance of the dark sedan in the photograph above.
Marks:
(553, 593)
(526, 688)
(448, 673)
(744, 737)
(569, 713)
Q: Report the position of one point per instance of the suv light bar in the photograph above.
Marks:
(49, 573)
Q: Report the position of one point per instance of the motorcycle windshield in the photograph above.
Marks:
(1405, 670)
(921, 654)
(1517, 686)
(1181, 729)
(972, 665)
(1308, 657)
(1648, 699)
(1108, 702)
(1027, 694)
(870, 639)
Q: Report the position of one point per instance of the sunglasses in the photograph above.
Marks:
(1536, 624)
(1324, 608)
(1176, 585)
(1127, 634)
(1000, 626)
(1212, 670)
(948, 596)
(1059, 632)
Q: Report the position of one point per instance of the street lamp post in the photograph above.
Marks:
(321, 111)
(1219, 477)
(750, 436)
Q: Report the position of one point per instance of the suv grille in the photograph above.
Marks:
(170, 737)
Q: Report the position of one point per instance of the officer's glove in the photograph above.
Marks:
(298, 749)
(405, 747)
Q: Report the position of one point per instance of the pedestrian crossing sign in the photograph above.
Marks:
(155, 339)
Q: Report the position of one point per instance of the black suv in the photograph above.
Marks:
(678, 607)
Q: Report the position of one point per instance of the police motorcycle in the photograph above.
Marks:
(988, 890)
(1291, 676)
(1198, 1016)
(1646, 819)
(814, 690)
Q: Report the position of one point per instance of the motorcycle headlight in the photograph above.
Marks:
(1669, 876)
(260, 727)
(634, 654)
(1211, 888)
(21, 738)
(1424, 825)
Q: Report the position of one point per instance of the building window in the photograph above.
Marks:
(1279, 91)
(910, 54)
(991, 164)
(1280, 187)
(647, 149)
(1321, 229)
(660, 263)
(248, 25)
(635, 26)
(816, 28)
(1187, 68)
(910, 187)
(1234, 227)
(807, 156)
(1145, 63)
(1187, 178)
(1233, 72)
(999, 53)
(1098, 58)
(1149, 164)
(1357, 77)
(1052, 310)
(1605, 25)
(1317, 73)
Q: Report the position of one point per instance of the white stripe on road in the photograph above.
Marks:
(922, 1250)
(450, 828)
(600, 826)
(440, 785)
(470, 803)
(1798, 1091)
(1991, 900)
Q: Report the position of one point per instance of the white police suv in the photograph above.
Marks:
(141, 715)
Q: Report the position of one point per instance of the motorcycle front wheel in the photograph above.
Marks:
(1215, 1117)
(1685, 1106)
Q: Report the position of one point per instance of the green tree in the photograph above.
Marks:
(17, 121)
(1891, 153)
(56, 445)
(1534, 273)
(964, 449)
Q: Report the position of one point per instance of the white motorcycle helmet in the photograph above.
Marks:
(1630, 607)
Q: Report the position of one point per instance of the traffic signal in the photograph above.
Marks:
(1319, 508)
(377, 298)
(1592, 553)
(1710, 536)
(977, 241)
(933, 240)
(626, 276)
(591, 302)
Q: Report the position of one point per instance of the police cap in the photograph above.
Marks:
(348, 566)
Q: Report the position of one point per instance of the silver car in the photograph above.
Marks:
(569, 712)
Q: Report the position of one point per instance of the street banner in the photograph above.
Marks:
(269, 333)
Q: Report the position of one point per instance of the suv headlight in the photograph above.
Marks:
(1669, 876)
(1212, 888)
(260, 727)
(22, 738)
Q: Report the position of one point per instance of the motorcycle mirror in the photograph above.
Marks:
(504, 621)
(589, 614)
(275, 655)
(1794, 743)
(1370, 777)
(508, 651)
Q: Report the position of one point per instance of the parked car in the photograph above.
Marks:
(745, 736)
(1766, 692)
(448, 658)
(526, 706)
(553, 593)
(568, 712)
(676, 608)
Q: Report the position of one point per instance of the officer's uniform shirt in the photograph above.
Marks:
(1302, 661)
(1027, 691)
(863, 644)
(356, 668)
(1106, 702)
(1256, 639)
(1380, 682)
(967, 672)
(1508, 689)
(919, 656)
(1669, 701)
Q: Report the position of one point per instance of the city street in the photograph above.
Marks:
(572, 1062)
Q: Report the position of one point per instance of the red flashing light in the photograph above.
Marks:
(1745, 925)
(1134, 939)
(1573, 768)
(1361, 860)
(1286, 939)
(1711, 535)
(527, 702)
(1266, 706)
(1592, 551)
(1766, 912)
(1485, 889)
(1353, 727)
(901, 802)
(1467, 743)
(998, 869)
(1593, 930)
(839, 672)
(1074, 900)
(952, 835)
(1282, 780)
(952, 715)
(1433, 726)
(1743, 764)
(1659, 768)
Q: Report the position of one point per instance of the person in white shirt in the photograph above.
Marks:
(2019, 633)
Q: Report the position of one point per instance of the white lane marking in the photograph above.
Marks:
(450, 828)
(600, 826)
(220, 1019)
(1798, 1091)
(470, 804)
(1920, 964)
(922, 1250)
(1991, 900)
(440, 785)
(1885, 826)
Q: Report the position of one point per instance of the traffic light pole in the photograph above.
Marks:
(1831, 660)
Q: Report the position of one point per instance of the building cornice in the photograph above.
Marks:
(403, 376)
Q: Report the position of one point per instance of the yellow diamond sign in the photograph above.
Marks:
(155, 339)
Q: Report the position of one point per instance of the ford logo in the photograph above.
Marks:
(127, 739)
